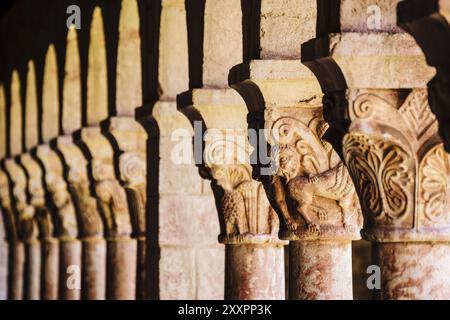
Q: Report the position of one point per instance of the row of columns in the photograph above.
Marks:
(347, 119)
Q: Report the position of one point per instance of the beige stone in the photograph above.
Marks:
(50, 97)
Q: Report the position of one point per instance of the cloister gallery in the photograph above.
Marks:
(225, 149)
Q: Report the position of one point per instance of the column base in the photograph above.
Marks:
(320, 270)
(254, 272)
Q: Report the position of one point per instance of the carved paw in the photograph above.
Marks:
(313, 179)
(292, 225)
(322, 215)
(313, 228)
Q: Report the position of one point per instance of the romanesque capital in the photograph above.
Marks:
(131, 138)
(399, 166)
(37, 196)
(91, 224)
(67, 227)
(111, 195)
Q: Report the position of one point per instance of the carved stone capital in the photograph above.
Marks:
(417, 18)
(247, 215)
(397, 161)
(110, 194)
(57, 187)
(91, 224)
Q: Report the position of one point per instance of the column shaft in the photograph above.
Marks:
(121, 270)
(32, 275)
(414, 270)
(254, 272)
(50, 267)
(4, 260)
(70, 255)
(320, 270)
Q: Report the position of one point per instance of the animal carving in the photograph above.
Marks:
(311, 193)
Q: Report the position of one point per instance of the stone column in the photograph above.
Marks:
(93, 260)
(113, 205)
(182, 223)
(249, 225)
(307, 184)
(67, 225)
(42, 215)
(428, 23)
(128, 136)
(377, 104)
(3, 258)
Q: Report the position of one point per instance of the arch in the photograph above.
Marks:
(71, 109)
(2, 122)
(97, 85)
(31, 109)
(15, 122)
(129, 72)
(50, 104)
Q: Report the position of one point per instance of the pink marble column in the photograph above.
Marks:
(50, 269)
(16, 271)
(70, 256)
(414, 270)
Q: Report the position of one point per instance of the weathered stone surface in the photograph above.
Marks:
(246, 277)
(93, 272)
(283, 25)
(200, 211)
(414, 271)
(121, 270)
(320, 270)
(4, 262)
(50, 270)
(173, 50)
(16, 271)
(32, 271)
